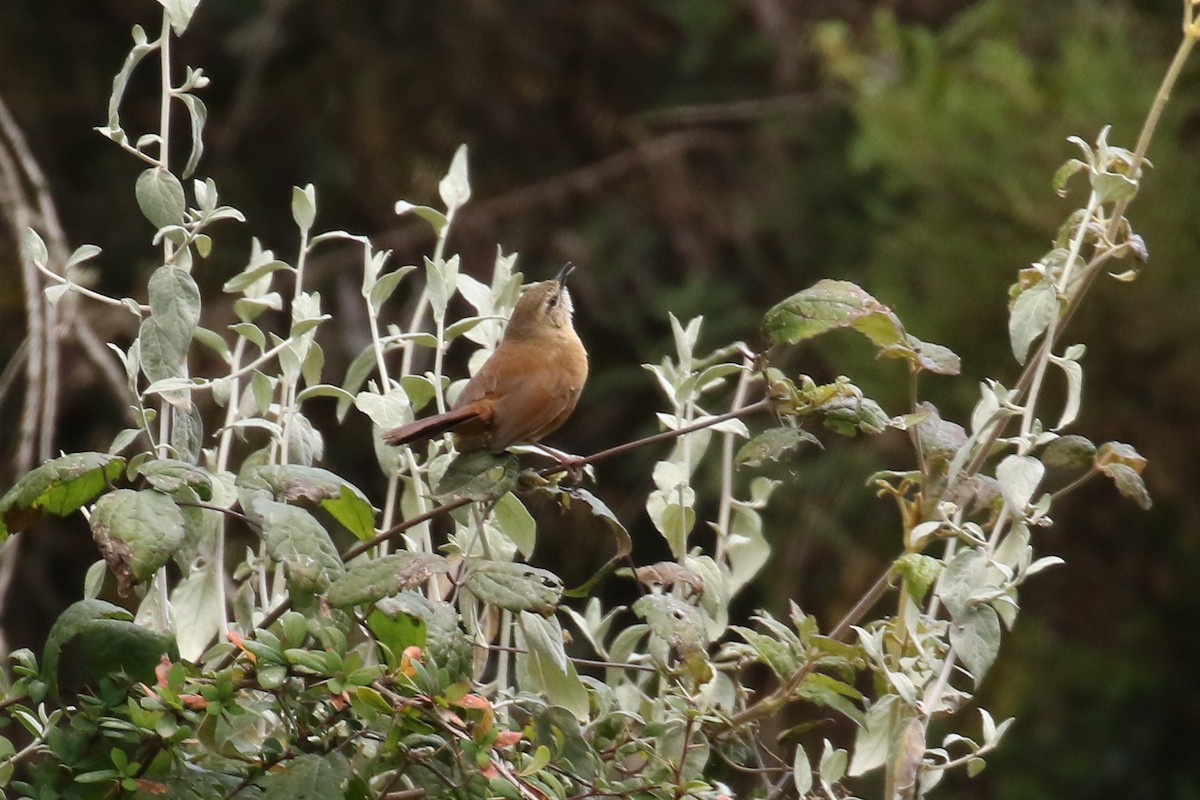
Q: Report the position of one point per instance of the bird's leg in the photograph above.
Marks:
(572, 464)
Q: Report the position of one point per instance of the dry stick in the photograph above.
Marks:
(673, 433)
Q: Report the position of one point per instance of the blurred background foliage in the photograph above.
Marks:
(711, 157)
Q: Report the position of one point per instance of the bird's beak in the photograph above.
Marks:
(567, 269)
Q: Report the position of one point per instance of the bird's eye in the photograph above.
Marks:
(552, 300)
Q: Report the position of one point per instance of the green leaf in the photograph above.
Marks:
(1032, 311)
(778, 655)
(169, 475)
(515, 522)
(60, 487)
(291, 482)
(93, 640)
(160, 197)
(308, 777)
(772, 445)
(596, 506)
(919, 573)
(516, 587)
(384, 576)
(1069, 452)
(825, 306)
(137, 532)
(832, 693)
(296, 540)
(833, 764)
(1071, 167)
(479, 476)
(547, 666)
(975, 635)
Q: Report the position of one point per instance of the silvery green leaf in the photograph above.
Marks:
(304, 206)
(387, 411)
(441, 277)
(197, 616)
(965, 575)
(84, 252)
(179, 12)
(160, 197)
(141, 47)
(1032, 311)
(801, 772)
(833, 764)
(197, 114)
(746, 548)
(431, 215)
(175, 304)
(1019, 477)
(55, 291)
(213, 341)
(455, 188)
(1074, 372)
(35, 248)
(875, 736)
(1112, 187)
(975, 635)
(676, 622)
(383, 288)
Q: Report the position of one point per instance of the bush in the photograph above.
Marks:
(345, 654)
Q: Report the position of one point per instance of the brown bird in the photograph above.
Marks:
(526, 389)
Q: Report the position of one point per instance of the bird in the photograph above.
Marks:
(527, 387)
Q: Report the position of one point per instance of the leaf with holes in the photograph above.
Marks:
(384, 576)
(677, 622)
(60, 487)
(515, 587)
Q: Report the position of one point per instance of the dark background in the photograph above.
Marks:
(709, 157)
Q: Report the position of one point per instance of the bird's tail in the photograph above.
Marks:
(430, 426)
